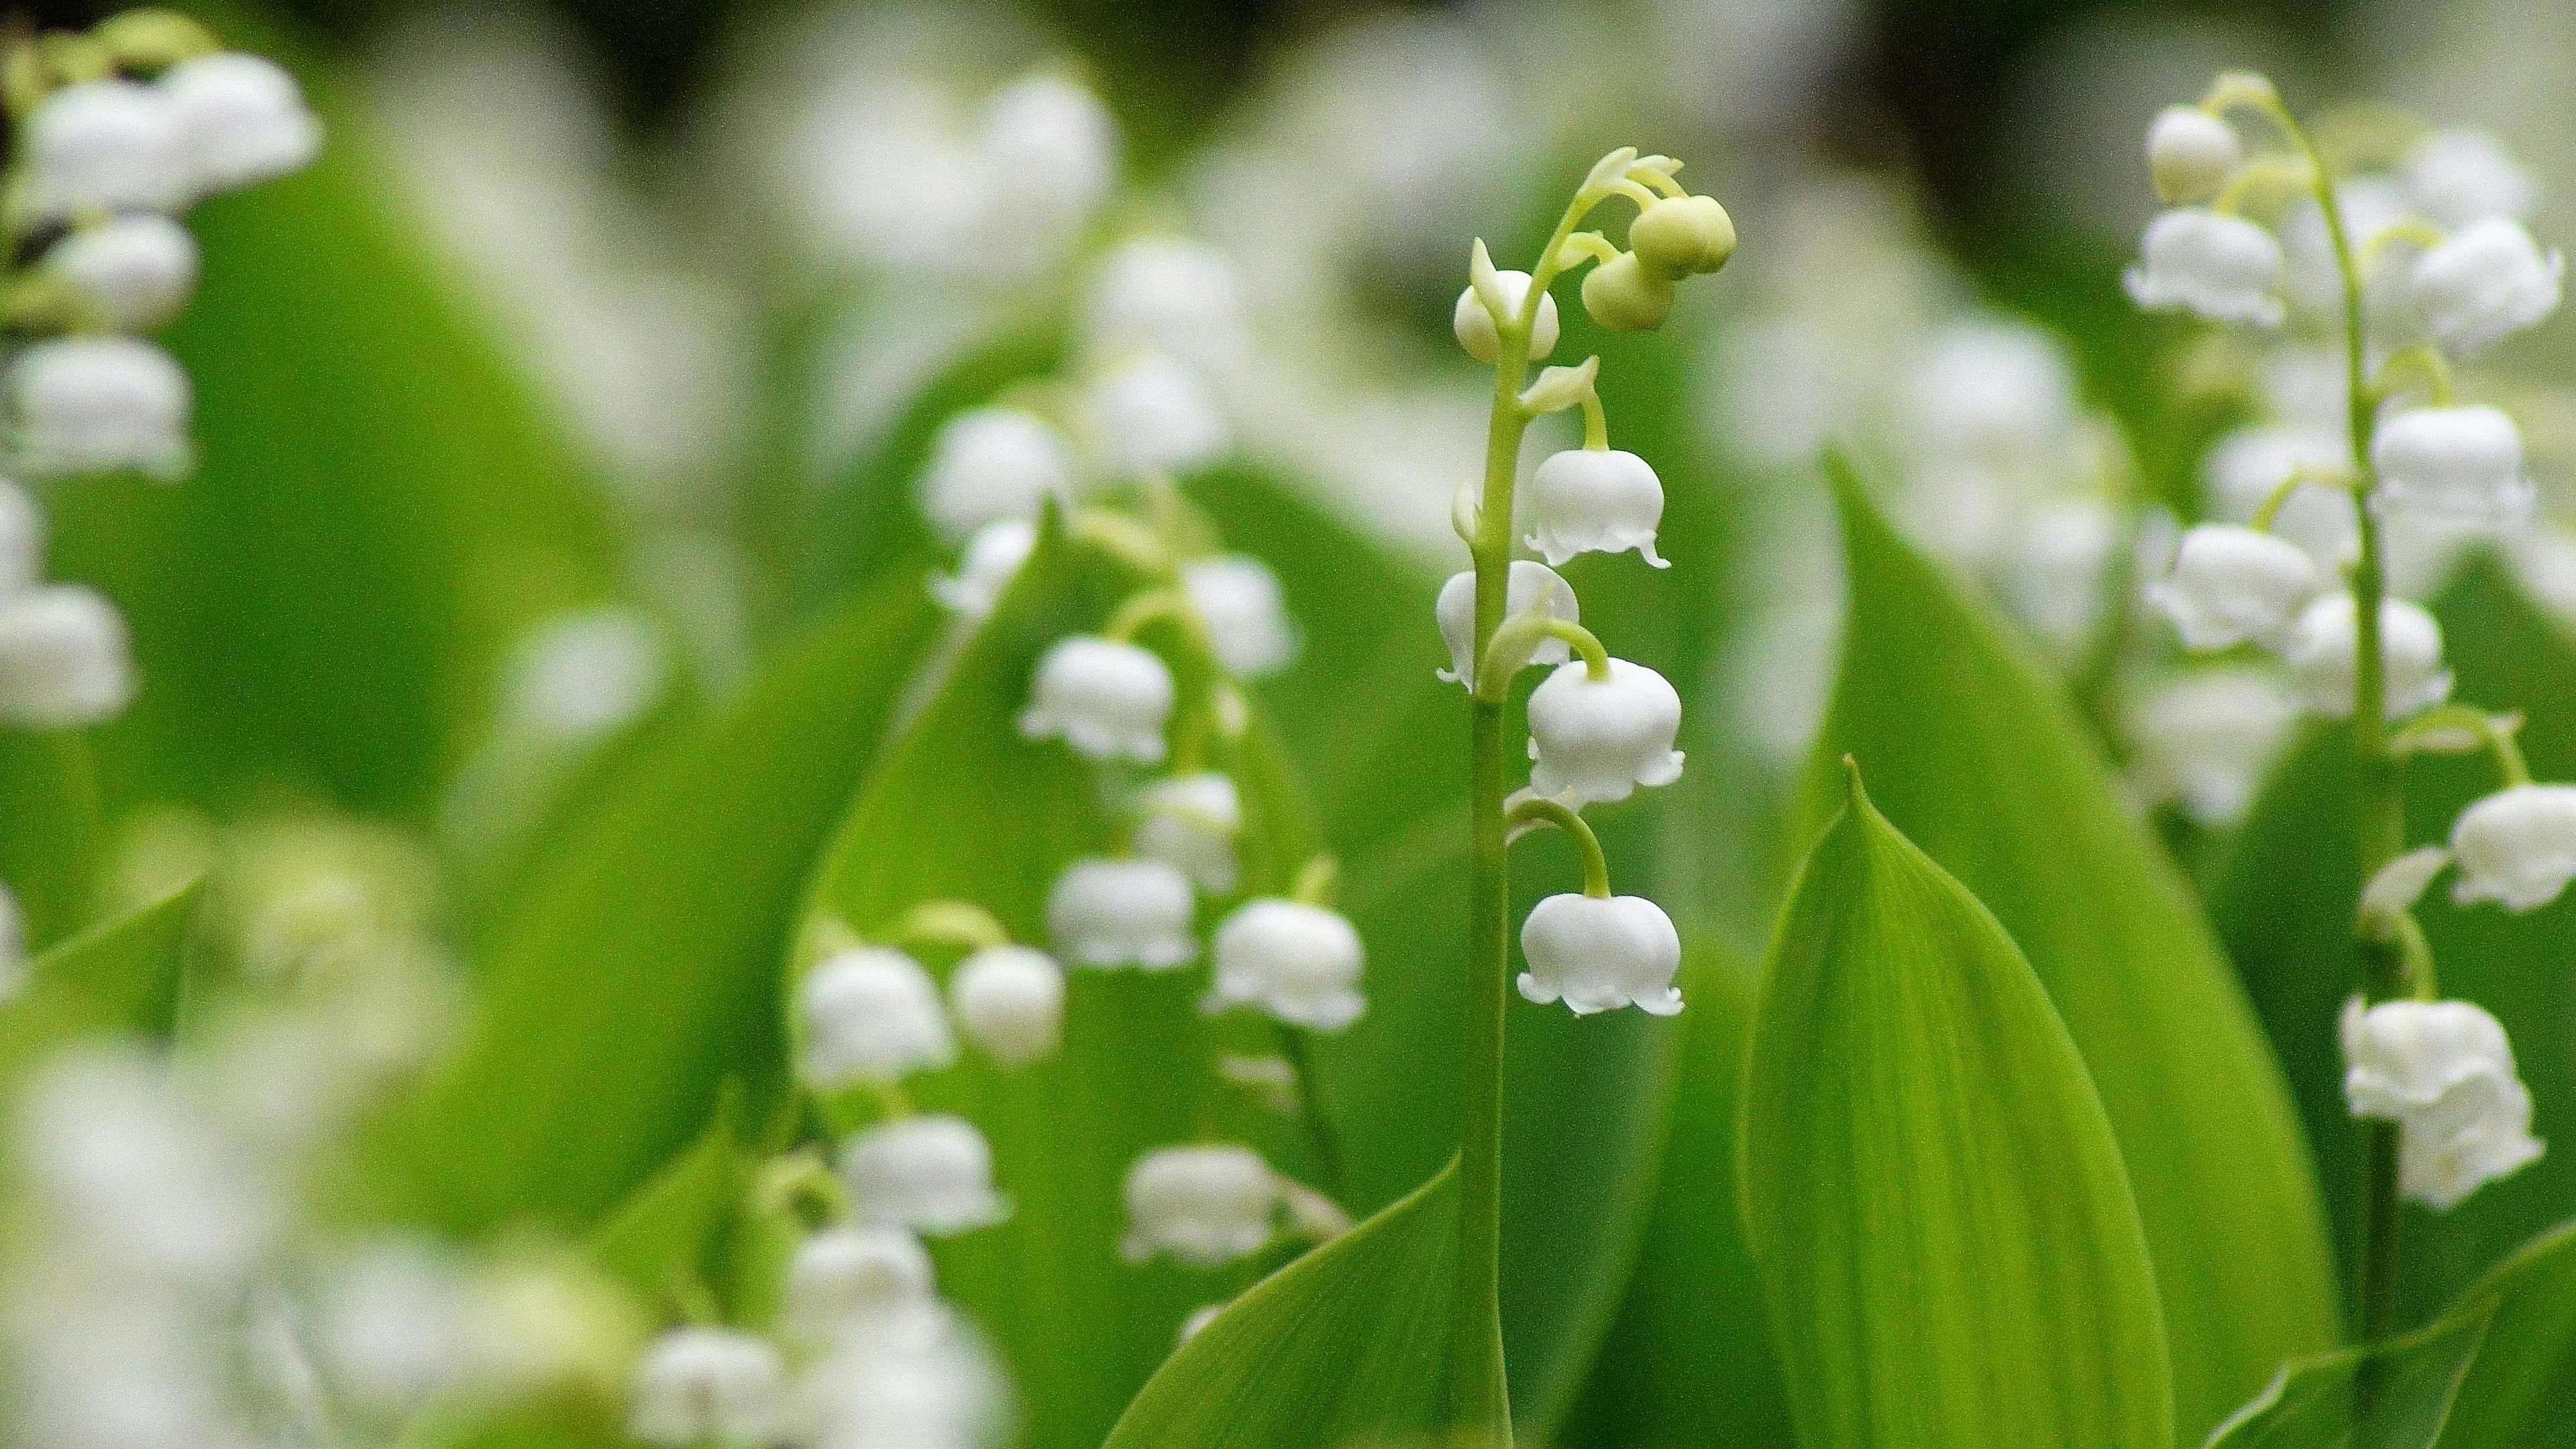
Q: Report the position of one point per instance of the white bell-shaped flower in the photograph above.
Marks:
(130, 273)
(2224, 268)
(2461, 177)
(105, 146)
(1107, 913)
(1599, 740)
(1045, 157)
(939, 1386)
(2246, 467)
(1594, 500)
(710, 1386)
(1191, 822)
(1009, 1001)
(992, 559)
(931, 1174)
(2206, 739)
(2444, 1072)
(2461, 463)
(1246, 614)
(585, 673)
(2190, 154)
(990, 464)
(1531, 584)
(2323, 649)
(1203, 1207)
(2230, 584)
(66, 660)
(1598, 954)
(1106, 699)
(1299, 963)
(2516, 847)
(1170, 295)
(1156, 414)
(242, 120)
(844, 1279)
(1475, 326)
(389, 1323)
(100, 405)
(871, 1015)
(22, 539)
(2487, 282)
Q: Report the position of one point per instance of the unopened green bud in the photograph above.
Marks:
(1681, 235)
(1625, 297)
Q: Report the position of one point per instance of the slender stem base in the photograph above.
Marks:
(1476, 1348)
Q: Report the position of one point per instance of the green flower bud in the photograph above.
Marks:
(1681, 235)
(1625, 297)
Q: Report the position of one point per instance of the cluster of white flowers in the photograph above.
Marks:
(2439, 268)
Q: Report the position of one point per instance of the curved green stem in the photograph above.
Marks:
(1539, 809)
(1508, 652)
(951, 923)
(2300, 477)
(2425, 362)
(1321, 1140)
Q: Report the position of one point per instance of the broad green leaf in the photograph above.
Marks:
(2497, 1370)
(1688, 1361)
(49, 831)
(659, 1240)
(1347, 1346)
(2283, 900)
(378, 508)
(1983, 764)
(640, 968)
(1931, 1189)
(964, 808)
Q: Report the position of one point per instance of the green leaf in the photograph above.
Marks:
(1688, 1360)
(2496, 1371)
(120, 975)
(1346, 1346)
(378, 509)
(1932, 1192)
(49, 831)
(1984, 765)
(641, 967)
(2283, 899)
(659, 1240)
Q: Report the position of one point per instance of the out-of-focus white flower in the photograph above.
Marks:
(584, 674)
(2324, 646)
(2060, 561)
(1106, 699)
(1165, 294)
(1475, 328)
(936, 1386)
(1190, 821)
(871, 1015)
(130, 273)
(22, 538)
(389, 1323)
(1599, 740)
(993, 558)
(2001, 394)
(2224, 268)
(1594, 500)
(1599, 955)
(1531, 584)
(1246, 614)
(105, 146)
(2249, 465)
(849, 1278)
(99, 405)
(1009, 1001)
(2190, 154)
(2461, 177)
(130, 1371)
(1155, 414)
(931, 1174)
(1046, 155)
(2230, 584)
(2369, 205)
(1203, 1207)
(241, 120)
(2516, 847)
(65, 658)
(1299, 963)
(537, 1324)
(1122, 913)
(2487, 282)
(1197, 1322)
(2444, 1072)
(2453, 462)
(134, 1178)
(702, 1386)
(989, 464)
(2206, 739)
